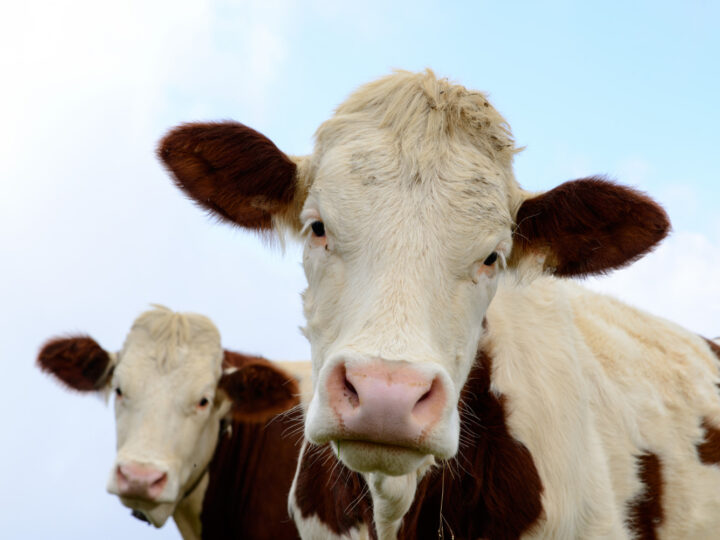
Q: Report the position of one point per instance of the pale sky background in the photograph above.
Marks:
(92, 231)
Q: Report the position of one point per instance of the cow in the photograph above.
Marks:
(492, 489)
(197, 435)
(431, 270)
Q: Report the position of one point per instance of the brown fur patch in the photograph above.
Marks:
(646, 512)
(258, 389)
(495, 490)
(79, 362)
(709, 449)
(336, 495)
(250, 477)
(231, 170)
(589, 226)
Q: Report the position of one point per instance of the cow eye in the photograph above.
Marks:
(491, 259)
(318, 228)
(203, 403)
(118, 392)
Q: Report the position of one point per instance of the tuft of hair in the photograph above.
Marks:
(423, 112)
(170, 330)
(76, 361)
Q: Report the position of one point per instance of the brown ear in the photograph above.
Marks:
(79, 362)
(231, 170)
(588, 226)
(258, 389)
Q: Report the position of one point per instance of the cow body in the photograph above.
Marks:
(600, 427)
(421, 249)
(197, 434)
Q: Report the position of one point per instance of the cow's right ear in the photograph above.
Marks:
(256, 388)
(236, 173)
(78, 362)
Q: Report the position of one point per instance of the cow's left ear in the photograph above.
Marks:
(257, 389)
(588, 226)
(78, 362)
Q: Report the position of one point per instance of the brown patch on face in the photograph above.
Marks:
(79, 362)
(336, 495)
(257, 388)
(250, 477)
(646, 512)
(589, 226)
(231, 170)
(709, 450)
(495, 489)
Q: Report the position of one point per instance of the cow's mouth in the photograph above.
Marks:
(156, 514)
(377, 457)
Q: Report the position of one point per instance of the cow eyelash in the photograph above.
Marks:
(318, 228)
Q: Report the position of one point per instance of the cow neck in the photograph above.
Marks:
(249, 479)
(336, 495)
(491, 489)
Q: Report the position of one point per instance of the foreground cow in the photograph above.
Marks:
(412, 221)
(193, 435)
(661, 486)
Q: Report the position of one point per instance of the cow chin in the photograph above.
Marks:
(156, 513)
(370, 457)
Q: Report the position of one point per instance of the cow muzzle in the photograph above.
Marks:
(384, 415)
(140, 481)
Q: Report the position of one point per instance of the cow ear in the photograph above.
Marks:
(78, 362)
(257, 389)
(588, 226)
(236, 173)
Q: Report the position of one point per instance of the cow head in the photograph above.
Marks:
(173, 386)
(410, 214)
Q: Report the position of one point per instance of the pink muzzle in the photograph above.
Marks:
(391, 403)
(140, 481)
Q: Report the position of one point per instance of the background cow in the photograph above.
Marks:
(412, 222)
(196, 436)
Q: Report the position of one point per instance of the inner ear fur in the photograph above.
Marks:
(77, 361)
(588, 226)
(256, 387)
(235, 172)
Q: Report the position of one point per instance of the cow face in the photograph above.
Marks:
(410, 215)
(173, 386)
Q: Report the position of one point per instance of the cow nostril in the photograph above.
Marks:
(160, 481)
(122, 479)
(350, 388)
(425, 396)
(350, 391)
(430, 400)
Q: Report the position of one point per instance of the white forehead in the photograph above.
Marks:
(164, 342)
(420, 150)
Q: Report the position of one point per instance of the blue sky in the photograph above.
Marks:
(91, 231)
